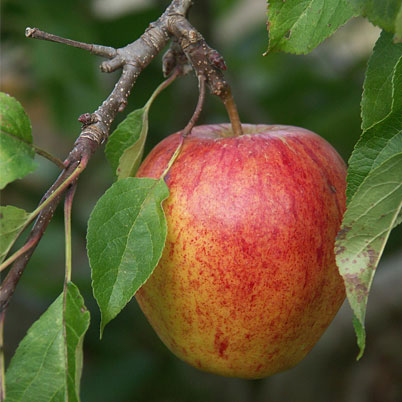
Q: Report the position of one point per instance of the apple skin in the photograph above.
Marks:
(247, 282)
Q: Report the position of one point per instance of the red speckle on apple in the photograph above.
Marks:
(252, 222)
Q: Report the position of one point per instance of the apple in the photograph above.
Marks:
(247, 282)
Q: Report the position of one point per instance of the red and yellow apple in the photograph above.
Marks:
(247, 282)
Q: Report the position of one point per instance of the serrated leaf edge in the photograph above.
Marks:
(162, 221)
(359, 316)
(103, 324)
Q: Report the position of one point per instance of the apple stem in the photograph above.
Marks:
(231, 109)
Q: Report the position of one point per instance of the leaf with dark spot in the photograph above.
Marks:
(369, 219)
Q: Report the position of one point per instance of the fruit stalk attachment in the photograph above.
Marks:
(189, 48)
(231, 109)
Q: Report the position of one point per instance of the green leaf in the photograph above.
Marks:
(378, 91)
(47, 365)
(360, 335)
(398, 27)
(298, 26)
(125, 146)
(384, 13)
(383, 139)
(125, 240)
(16, 153)
(12, 222)
(369, 218)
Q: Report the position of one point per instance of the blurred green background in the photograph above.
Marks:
(320, 91)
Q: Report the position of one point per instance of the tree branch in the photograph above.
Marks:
(206, 62)
(104, 51)
(133, 58)
(10, 282)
